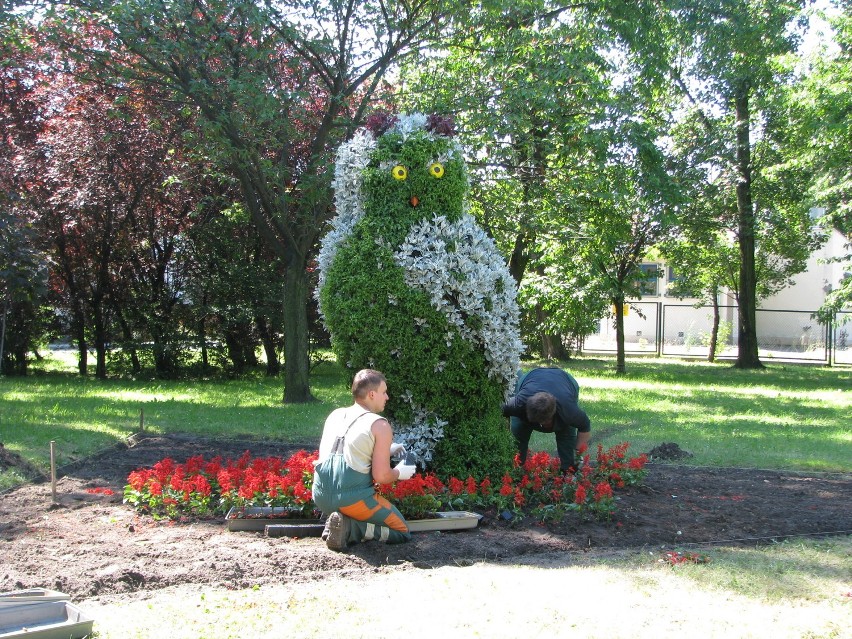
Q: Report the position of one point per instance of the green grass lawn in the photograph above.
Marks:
(787, 416)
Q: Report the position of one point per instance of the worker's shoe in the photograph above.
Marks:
(336, 532)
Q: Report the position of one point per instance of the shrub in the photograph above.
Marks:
(415, 289)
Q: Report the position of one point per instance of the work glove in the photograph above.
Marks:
(397, 450)
(406, 471)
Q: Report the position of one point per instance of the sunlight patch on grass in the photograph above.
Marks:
(793, 571)
(723, 391)
(623, 596)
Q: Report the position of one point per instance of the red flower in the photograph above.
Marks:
(603, 491)
(580, 495)
(138, 478)
(638, 463)
(470, 487)
(163, 469)
(201, 485)
(456, 486)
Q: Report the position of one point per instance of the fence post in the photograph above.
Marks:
(829, 340)
(659, 329)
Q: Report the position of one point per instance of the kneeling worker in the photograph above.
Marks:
(354, 455)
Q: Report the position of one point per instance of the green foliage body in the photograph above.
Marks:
(378, 320)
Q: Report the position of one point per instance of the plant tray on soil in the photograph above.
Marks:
(257, 518)
(30, 596)
(281, 522)
(47, 620)
(295, 529)
(451, 520)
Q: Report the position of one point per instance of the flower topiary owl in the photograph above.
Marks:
(411, 286)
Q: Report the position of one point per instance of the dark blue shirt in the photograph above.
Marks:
(562, 386)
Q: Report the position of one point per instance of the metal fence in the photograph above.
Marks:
(683, 330)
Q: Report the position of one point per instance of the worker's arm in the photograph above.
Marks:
(383, 437)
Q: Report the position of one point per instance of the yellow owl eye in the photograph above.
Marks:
(399, 172)
(436, 170)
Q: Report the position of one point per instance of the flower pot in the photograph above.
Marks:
(258, 518)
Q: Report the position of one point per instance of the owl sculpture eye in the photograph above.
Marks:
(399, 172)
(436, 170)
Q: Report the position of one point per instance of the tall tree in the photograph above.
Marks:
(528, 87)
(276, 87)
(22, 266)
(820, 140)
(703, 250)
(632, 210)
(726, 65)
(23, 289)
(90, 166)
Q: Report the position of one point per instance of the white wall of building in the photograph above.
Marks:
(686, 326)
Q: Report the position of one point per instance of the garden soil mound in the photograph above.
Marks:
(88, 543)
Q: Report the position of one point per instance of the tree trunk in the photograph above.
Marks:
(100, 340)
(273, 366)
(552, 347)
(78, 324)
(202, 334)
(234, 346)
(3, 332)
(620, 359)
(248, 344)
(519, 259)
(165, 351)
(714, 332)
(747, 356)
(297, 365)
(128, 344)
(202, 340)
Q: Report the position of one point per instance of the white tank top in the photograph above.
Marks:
(359, 442)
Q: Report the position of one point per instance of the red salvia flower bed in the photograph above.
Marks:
(209, 488)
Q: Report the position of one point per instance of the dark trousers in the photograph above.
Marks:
(566, 441)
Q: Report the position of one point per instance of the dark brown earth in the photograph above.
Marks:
(91, 544)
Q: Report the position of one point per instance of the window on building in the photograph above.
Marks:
(672, 281)
(650, 284)
(675, 286)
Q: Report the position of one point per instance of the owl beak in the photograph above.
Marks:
(414, 200)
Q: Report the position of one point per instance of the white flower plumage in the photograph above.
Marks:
(421, 436)
(352, 158)
(480, 286)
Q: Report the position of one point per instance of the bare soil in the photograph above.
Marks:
(88, 543)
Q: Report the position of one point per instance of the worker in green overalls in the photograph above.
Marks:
(354, 455)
